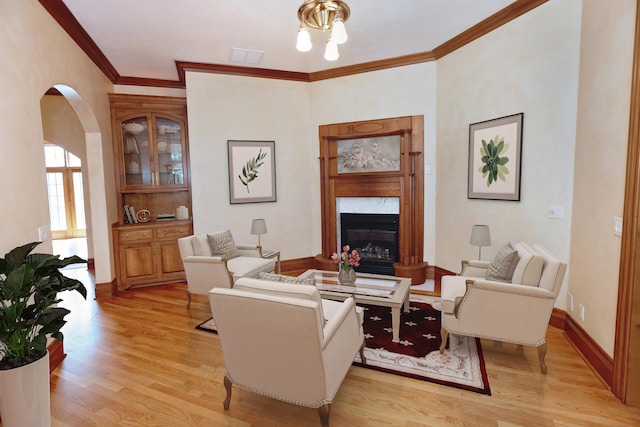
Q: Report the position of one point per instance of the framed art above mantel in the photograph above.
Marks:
(495, 151)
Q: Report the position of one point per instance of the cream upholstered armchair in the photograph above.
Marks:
(283, 341)
(516, 312)
(205, 269)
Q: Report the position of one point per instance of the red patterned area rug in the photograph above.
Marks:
(417, 354)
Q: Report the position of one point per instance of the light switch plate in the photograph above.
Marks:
(617, 225)
(556, 211)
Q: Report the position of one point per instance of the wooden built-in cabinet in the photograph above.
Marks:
(148, 253)
(151, 159)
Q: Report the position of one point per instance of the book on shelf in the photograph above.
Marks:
(134, 218)
(125, 214)
(129, 214)
(166, 217)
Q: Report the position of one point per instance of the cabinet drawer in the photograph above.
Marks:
(136, 235)
(172, 232)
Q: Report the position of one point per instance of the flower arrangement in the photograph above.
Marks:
(347, 259)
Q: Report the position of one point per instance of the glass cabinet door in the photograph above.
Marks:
(169, 147)
(138, 167)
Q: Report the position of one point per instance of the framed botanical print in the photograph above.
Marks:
(252, 171)
(495, 151)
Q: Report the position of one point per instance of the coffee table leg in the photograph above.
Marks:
(395, 323)
(406, 303)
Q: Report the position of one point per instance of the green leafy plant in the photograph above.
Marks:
(494, 166)
(29, 287)
(250, 169)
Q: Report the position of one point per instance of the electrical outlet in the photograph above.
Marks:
(581, 309)
(570, 298)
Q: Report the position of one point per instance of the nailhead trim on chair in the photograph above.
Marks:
(253, 390)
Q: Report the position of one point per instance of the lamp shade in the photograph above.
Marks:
(258, 226)
(480, 235)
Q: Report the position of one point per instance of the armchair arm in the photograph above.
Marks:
(336, 321)
(503, 311)
(474, 268)
(203, 259)
(206, 272)
(342, 339)
(250, 250)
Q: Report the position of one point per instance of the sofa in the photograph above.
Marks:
(482, 303)
(214, 260)
(283, 341)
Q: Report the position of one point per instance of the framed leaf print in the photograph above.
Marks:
(495, 148)
(252, 171)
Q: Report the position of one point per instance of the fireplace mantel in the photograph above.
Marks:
(406, 183)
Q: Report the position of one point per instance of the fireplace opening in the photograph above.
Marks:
(375, 237)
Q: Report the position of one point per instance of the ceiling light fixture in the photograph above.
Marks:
(323, 15)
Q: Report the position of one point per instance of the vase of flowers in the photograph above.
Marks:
(346, 261)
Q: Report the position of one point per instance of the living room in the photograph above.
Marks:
(555, 64)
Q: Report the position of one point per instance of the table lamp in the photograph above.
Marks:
(480, 237)
(259, 226)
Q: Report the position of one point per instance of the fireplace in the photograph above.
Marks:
(375, 237)
(407, 185)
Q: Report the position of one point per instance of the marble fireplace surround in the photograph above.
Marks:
(403, 187)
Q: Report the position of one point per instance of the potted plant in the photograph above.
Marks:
(29, 287)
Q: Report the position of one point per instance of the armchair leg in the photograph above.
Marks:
(362, 358)
(188, 300)
(324, 411)
(542, 352)
(227, 386)
(444, 335)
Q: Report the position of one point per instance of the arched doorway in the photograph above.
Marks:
(88, 146)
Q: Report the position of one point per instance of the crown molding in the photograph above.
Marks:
(239, 71)
(59, 11)
(496, 20)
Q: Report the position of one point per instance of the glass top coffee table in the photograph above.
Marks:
(373, 289)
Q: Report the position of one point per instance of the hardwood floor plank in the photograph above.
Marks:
(136, 359)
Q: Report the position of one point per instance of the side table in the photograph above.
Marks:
(268, 253)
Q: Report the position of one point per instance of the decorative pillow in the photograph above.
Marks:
(222, 245)
(502, 266)
(285, 279)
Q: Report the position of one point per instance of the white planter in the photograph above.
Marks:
(24, 395)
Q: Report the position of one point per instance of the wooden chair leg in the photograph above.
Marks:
(444, 335)
(188, 300)
(542, 352)
(227, 386)
(362, 358)
(324, 411)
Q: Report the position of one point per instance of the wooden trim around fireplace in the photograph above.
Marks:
(407, 184)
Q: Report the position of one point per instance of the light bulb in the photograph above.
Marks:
(338, 31)
(303, 43)
(331, 51)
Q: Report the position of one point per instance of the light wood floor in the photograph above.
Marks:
(136, 359)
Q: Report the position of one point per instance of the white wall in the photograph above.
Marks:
(222, 108)
(397, 92)
(529, 65)
(36, 55)
(230, 107)
(606, 60)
